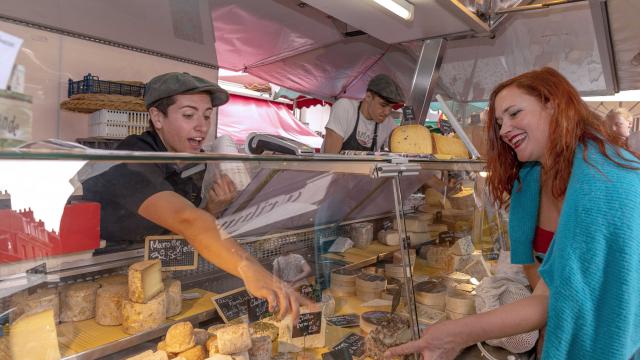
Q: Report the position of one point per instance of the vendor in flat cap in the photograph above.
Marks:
(363, 125)
(139, 199)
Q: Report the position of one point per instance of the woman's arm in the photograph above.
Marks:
(173, 212)
(446, 339)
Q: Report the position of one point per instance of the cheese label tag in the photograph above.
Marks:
(354, 343)
(307, 324)
(258, 309)
(348, 320)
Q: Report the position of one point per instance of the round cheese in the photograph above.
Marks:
(397, 256)
(460, 278)
(43, 299)
(195, 353)
(234, 339)
(261, 328)
(180, 337)
(431, 293)
(78, 301)
(109, 304)
(396, 271)
(370, 282)
(362, 234)
(173, 293)
(412, 139)
(260, 348)
(345, 277)
(115, 279)
(460, 302)
(201, 336)
(137, 318)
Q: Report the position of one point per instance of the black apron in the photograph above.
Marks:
(352, 142)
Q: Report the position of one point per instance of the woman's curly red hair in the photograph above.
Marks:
(572, 123)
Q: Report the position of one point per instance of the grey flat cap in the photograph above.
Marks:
(175, 83)
(385, 87)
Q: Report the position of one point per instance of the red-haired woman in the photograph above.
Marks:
(566, 173)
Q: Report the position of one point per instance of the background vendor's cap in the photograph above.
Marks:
(385, 87)
(175, 83)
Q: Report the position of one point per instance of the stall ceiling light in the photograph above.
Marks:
(402, 8)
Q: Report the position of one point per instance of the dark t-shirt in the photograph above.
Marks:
(124, 187)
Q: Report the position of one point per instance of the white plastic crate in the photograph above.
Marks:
(117, 124)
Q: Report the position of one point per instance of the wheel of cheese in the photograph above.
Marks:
(389, 237)
(195, 353)
(397, 256)
(345, 277)
(460, 302)
(368, 295)
(173, 293)
(137, 318)
(180, 337)
(431, 293)
(211, 345)
(372, 319)
(460, 278)
(201, 336)
(109, 303)
(412, 139)
(114, 279)
(43, 299)
(234, 339)
(362, 234)
(261, 328)
(397, 271)
(370, 282)
(260, 348)
(78, 301)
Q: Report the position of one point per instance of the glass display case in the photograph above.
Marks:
(365, 229)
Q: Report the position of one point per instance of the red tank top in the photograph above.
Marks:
(542, 240)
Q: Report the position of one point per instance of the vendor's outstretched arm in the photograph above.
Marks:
(332, 142)
(446, 339)
(173, 212)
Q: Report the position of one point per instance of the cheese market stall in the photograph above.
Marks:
(367, 227)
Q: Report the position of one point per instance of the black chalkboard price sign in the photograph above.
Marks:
(347, 320)
(354, 343)
(258, 309)
(308, 324)
(339, 354)
(174, 252)
(232, 305)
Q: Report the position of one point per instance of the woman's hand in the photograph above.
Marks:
(220, 195)
(438, 342)
(260, 283)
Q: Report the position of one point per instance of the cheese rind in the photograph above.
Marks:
(234, 339)
(180, 337)
(173, 293)
(389, 237)
(137, 318)
(145, 281)
(78, 301)
(109, 304)
(260, 348)
(115, 279)
(33, 336)
(412, 139)
(464, 246)
(30, 304)
(195, 353)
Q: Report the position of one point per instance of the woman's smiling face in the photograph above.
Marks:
(524, 123)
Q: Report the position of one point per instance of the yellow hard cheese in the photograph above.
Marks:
(450, 145)
(413, 139)
(34, 336)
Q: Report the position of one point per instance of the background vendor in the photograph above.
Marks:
(363, 125)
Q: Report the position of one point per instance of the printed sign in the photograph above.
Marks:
(9, 47)
(232, 305)
(354, 343)
(174, 252)
(258, 309)
(308, 324)
(348, 320)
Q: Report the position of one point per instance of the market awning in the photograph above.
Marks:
(243, 115)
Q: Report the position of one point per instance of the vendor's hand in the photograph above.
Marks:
(438, 342)
(220, 195)
(260, 283)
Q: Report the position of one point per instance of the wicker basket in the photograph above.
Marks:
(88, 103)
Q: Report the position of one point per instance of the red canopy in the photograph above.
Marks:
(243, 115)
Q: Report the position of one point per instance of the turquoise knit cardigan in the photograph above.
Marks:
(592, 267)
